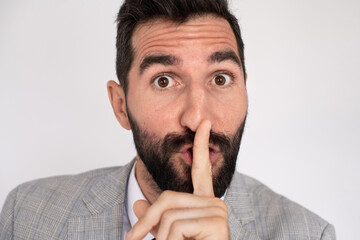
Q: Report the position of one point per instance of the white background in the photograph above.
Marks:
(302, 136)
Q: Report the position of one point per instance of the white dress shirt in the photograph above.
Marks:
(133, 194)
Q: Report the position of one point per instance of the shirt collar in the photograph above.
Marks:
(134, 193)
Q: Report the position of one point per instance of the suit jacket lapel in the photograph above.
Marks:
(105, 202)
(240, 210)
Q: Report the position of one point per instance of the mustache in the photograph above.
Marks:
(174, 141)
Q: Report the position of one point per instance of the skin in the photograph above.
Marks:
(193, 100)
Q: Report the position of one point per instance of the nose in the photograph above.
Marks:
(197, 107)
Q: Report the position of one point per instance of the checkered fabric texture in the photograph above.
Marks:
(89, 206)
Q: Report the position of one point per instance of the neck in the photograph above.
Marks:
(147, 184)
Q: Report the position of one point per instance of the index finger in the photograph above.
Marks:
(201, 172)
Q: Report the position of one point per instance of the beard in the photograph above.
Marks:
(171, 173)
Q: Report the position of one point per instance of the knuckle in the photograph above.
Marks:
(220, 203)
(167, 216)
(165, 194)
(148, 215)
(176, 227)
(220, 212)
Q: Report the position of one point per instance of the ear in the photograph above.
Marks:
(118, 103)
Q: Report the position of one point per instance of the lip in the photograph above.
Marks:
(186, 153)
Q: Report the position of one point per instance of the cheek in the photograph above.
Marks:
(230, 112)
(162, 120)
(228, 120)
(154, 115)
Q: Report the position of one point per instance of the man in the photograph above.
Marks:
(182, 92)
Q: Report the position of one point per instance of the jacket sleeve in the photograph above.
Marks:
(7, 217)
(328, 233)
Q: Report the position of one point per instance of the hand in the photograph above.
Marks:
(177, 215)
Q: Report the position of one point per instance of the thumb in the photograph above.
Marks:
(140, 207)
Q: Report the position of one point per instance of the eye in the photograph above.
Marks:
(221, 79)
(164, 81)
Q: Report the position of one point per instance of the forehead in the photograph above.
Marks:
(163, 35)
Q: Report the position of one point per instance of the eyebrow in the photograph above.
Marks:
(165, 60)
(224, 56)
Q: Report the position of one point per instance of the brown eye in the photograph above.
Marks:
(163, 81)
(222, 79)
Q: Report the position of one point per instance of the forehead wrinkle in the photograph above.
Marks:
(157, 49)
(198, 33)
(148, 33)
(174, 41)
(192, 23)
(210, 32)
(184, 39)
(158, 35)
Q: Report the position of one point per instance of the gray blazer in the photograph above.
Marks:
(89, 206)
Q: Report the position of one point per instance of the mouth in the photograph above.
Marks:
(186, 153)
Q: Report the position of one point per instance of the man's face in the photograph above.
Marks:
(181, 75)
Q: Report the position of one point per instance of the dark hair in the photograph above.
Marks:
(133, 12)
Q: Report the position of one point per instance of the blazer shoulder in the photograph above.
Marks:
(45, 205)
(63, 186)
(284, 216)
